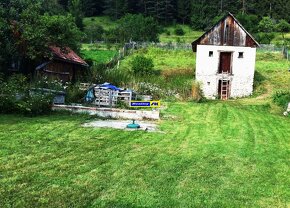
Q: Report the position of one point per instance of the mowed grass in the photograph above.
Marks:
(217, 154)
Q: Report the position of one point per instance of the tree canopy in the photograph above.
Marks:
(26, 31)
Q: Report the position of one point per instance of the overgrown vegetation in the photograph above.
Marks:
(281, 98)
(16, 98)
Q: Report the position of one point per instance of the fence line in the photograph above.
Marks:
(131, 47)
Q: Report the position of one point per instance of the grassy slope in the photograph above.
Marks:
(165, 59)
(98, 55)
(188, 37)
(274, 71)
(235, 156)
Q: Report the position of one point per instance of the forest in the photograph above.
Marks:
(28, 27)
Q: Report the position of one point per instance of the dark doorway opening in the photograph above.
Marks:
(225, 64)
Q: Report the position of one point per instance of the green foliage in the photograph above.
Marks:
(249, 21)
(94, 32)
(136, 28)
(264, 37)
(27, 31)
(15, 98)
(283, 27)
(115, 8)
(179, 31)
(74, 94)
(33, 105)
(266, 28)
(266, 25)
(48, 83)
(281, 98)
(142, 65)
(169, 35)
(75, 8)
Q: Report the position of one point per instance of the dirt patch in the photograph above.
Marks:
(122, 124)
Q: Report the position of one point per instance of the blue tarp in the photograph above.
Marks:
(110, 86)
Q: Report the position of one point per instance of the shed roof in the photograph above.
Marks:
(67, 55)
(236, 35)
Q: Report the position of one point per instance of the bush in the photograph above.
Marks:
(94, 32)
(15, 97)
(142, 65)
(167, 32)
(179, 31)
(48, 83)
(35, 105)
(74, 94)
(146, 88)
(281, 98)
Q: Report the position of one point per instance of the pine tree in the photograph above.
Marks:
(75, 8)
(183, 10)
(116, 8)
(93, 7)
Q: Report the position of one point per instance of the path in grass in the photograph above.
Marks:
(211, 155)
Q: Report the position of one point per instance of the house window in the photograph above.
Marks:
(241, 55)
(210, 54)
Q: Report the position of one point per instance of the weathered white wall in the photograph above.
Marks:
(242, 69)
(111, 112)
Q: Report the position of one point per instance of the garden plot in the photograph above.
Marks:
(122, 124)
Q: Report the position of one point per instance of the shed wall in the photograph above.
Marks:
(242, 77)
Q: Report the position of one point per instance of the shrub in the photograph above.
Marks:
(15, 97)
(179, 31)
(142, 65)
(74, 94)
(154, 90)
(281, 98)
(94, 32)
(46, 82)
(35, 105)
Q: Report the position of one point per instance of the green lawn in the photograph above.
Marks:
(216, 154)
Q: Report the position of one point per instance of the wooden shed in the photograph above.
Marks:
(65, 65)
(225, 59)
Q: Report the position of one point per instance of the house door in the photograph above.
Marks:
(225, 62)
(224, 89)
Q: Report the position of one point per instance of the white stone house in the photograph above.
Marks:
(225, 60)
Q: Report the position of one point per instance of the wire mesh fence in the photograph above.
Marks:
(131, 47)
